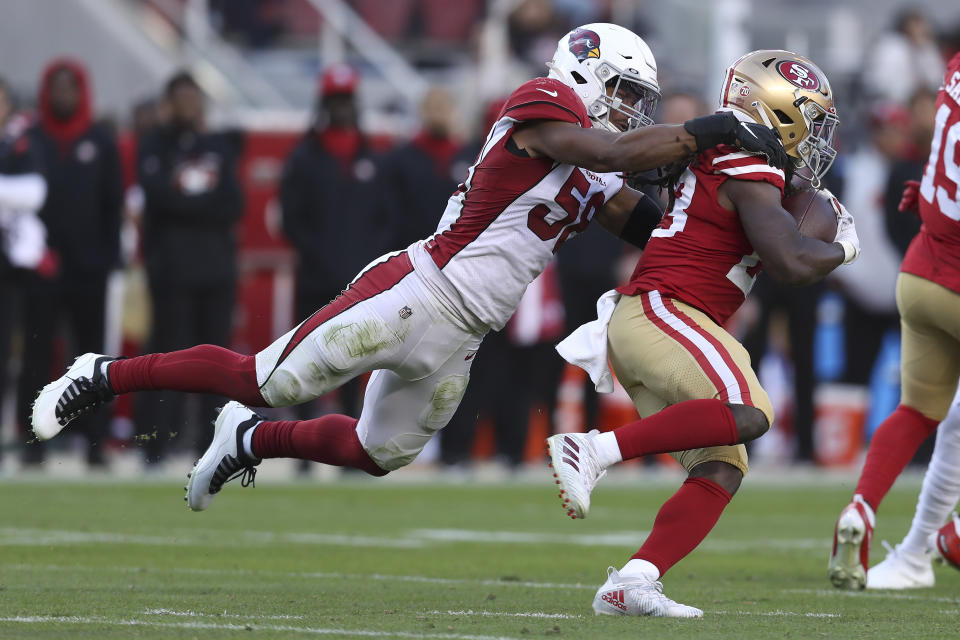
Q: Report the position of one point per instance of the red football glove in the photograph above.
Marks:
(911, 196)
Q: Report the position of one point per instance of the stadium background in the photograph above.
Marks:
(257, 62)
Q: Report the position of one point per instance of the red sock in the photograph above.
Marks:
(686, 425)
(201, 369)
(683, 522)
(894, 444)
(330, 439)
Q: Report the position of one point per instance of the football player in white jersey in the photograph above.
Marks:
(415, 318)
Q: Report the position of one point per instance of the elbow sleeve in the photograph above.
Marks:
(27, 191)
(643, 220)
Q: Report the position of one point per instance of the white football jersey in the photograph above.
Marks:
(512, 214)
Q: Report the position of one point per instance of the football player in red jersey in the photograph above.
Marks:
(928, 297)
(552, 161)
(690, 380)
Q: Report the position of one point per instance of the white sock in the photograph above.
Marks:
(104, 366)
(941, 485)
(248, 441)
(637, 567)
(607, 448)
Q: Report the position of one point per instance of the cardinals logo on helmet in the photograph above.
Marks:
(799, 74)
(584, 44)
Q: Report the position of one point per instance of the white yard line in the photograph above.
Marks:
(777, 613)
(412, 539)
(325, 631)
(506, 614)
(314, 575)
(196, 614)
(877, 594)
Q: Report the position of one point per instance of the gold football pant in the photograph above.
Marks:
(664, 352)
(930, 344)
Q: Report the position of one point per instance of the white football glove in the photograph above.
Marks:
(846, 232)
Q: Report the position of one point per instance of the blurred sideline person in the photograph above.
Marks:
(869, 286)
(23, 236)
(418, 176)
(333, 213)
(416, 318)
(909, 53)
(192, 202)
(82, 217)
(928, 297)
(690, 380)
(922, 111)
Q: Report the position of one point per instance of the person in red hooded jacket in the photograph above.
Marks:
(82, 217)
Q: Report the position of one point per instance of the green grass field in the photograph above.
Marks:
(431, 560)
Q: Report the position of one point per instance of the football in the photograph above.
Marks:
(815, 213)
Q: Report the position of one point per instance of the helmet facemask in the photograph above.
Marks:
(816, 150)
(628, 103)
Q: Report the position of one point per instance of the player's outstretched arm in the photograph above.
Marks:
(789, 257)
(630, 215)
(645, 148)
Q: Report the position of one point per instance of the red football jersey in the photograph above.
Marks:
(700, 253)
(935, 253)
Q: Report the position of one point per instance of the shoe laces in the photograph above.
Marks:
(82, 395)
(231, 468)
(651, 588)
(591, 479)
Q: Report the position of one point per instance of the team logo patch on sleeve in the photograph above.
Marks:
(799, 74)
(584, 44)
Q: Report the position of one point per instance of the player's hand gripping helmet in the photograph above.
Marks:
(613, 71)
(788, 93)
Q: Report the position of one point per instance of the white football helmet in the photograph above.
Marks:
(613, 71)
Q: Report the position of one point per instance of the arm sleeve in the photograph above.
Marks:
(24, 191)
(643, 220)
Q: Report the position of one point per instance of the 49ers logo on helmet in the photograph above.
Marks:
(584, 44)
(799, 74)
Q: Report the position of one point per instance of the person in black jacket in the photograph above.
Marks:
(333, 214)
(421, 175)
(22, 233)
(82, 218)
(193, 200)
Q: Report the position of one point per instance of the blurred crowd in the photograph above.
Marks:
(80, 201)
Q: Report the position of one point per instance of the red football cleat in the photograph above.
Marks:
(851, 545)
(946, 542)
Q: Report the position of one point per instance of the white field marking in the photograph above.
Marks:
(311, 576)
(506, 614)
(197, 614)
(872, 593)
(412, 539)
(778, 612)
(324, 631)
(14, 536)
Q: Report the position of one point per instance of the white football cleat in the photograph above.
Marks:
(901, 570)
(851, 546)
(576, 469)
(637, 596)
(81, 389)
(224, 459)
